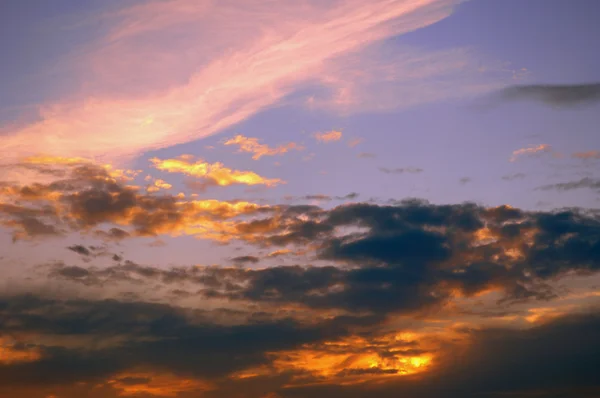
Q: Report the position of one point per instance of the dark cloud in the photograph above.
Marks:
(350, 196)
(584, 183)
(245, 259)
(556, 359)
(79, 249)
(401, 170)
(465, 180)
(155, 336)
(406, 258)
(554, 94)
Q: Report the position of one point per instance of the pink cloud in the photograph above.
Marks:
(156, 80)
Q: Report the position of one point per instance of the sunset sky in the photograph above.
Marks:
(299, 198)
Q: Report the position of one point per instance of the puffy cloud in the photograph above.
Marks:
(89, 196)
(258, 150)
(538, 149)
(329, 136)
(400, 259)
(212, 173)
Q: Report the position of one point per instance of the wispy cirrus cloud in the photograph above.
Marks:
(193, 88)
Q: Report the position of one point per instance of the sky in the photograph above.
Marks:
(277, 199)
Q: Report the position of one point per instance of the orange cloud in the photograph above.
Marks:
(159, 184)
(252, 145)
(157, 384)
(348, 361)
(329, 136)
(530, 151)
(9, 354)
(587, 155)
(354, 142)
(88, 195)
(212, 173)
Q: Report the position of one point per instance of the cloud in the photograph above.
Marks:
(388, 76)
(258, 150)
(465, 180)
(400, 259)
(401, 170)
(585, 182)
(366, 155)
(257, 55)
(79, 249)
(388, 307)
(354, 142)
(529, 151)
(157, 185)
(211, 173)
(554, 94)
(587, 155)
(515, 176)
(245, 259)
(155, 384)
(330, 136)
(88, 196)
(163, 340)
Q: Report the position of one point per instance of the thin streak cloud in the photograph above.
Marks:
(129, 100)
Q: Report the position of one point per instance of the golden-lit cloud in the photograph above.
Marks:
(329, 136)
(212, 173)
(86, 195)
(156, 384)
(259, 150)
(12, 354)
(159, 184)
(542, 148)
(350, 360)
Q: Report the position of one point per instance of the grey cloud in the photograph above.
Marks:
(554, 94)
(586, 182)
(401, 170)
(515, 176)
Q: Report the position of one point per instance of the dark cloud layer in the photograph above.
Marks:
(554, 94)
(406, 258)
(559, 358)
